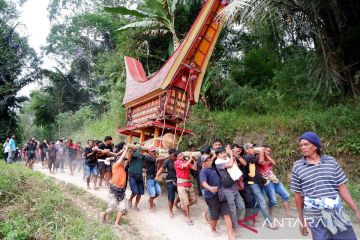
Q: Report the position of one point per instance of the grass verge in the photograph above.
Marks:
(33, 207)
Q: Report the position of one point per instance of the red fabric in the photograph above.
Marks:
(73, 146)
(265, 169)
(182, 172)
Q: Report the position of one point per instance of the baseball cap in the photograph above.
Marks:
(249, 145)
(151, 149)
(204, 158)
(220, 150)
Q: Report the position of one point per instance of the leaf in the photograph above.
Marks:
(126, 12)
(157, 7)
(142, 24)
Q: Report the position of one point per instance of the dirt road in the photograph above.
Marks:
(157, 225)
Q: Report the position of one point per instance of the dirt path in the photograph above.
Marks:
(157, 225)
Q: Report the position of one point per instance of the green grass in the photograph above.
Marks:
(33, 207)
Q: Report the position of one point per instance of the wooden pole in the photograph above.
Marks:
(156, 137)
(142, 136)
(129, 138)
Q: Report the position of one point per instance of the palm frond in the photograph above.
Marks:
(141, 24)
(233, 9)
(127, 12)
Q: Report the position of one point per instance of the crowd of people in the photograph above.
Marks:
(235, 181)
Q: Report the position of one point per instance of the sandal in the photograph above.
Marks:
(189, 222)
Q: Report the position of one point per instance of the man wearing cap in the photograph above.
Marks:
(218, 206)
(256, 181)
(319, 185)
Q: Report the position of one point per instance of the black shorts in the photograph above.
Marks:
(43, 156)
(103, 168)
(171, 189)
(217, 208)
(31, 156)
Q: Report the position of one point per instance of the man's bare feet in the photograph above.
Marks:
(130, 204)
(205, 216)
(117, 226)
(88, 187)
(136, 209)
(171, 215)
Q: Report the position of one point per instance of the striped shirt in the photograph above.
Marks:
(316, 181)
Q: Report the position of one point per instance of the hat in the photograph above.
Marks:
(220, 150)
(312, 138)
(151, 149)
(204, 158)
(248, 145)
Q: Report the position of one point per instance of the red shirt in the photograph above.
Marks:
(182, 172)
(265, 169)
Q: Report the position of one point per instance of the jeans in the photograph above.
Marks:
(10, 157)
(62, 162)
(153, 187)
(236, 205)
(260, 200)
(271, 189)
(90, 170)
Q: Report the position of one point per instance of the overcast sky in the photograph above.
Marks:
(36, 26)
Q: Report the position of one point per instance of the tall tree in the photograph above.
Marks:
(330, 27)
(19, 66)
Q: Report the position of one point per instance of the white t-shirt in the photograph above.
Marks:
(234, 172)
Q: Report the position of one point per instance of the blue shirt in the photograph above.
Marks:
(316, 181)
(211, 177)
(12, 145)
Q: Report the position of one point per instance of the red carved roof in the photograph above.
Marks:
(138, 85)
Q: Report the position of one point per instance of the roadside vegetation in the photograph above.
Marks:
(33, 207)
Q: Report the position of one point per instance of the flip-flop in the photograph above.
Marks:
(189, 222)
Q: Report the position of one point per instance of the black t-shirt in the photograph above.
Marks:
(90, 161)
(169, 166)
(251, 160)
(43, 147)
(150, 166)
(103, 146)
(30, 148)
(52, 152)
